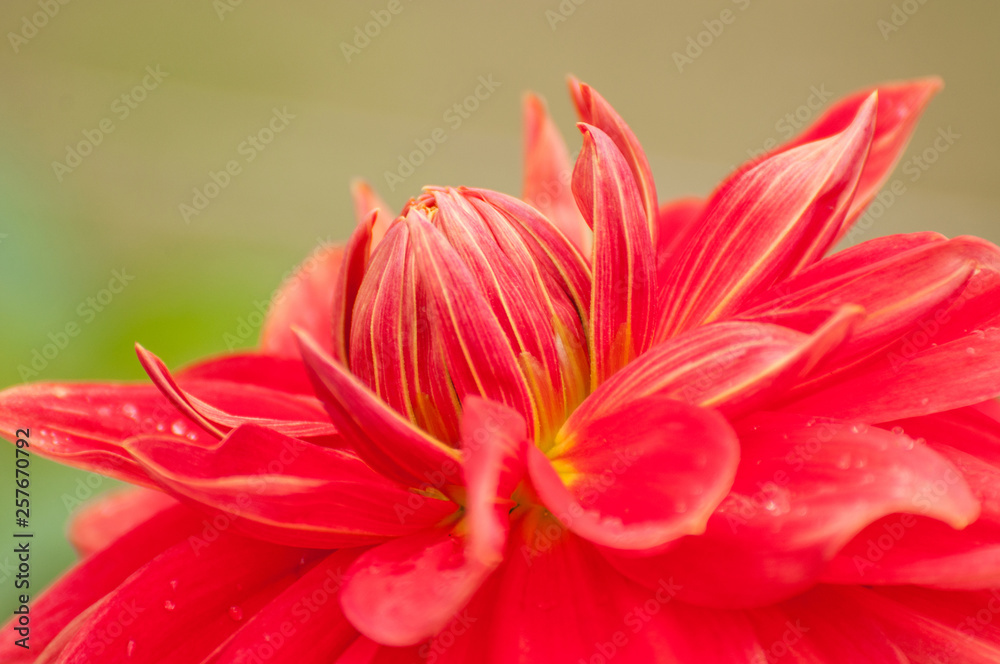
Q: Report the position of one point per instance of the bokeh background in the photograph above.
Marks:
(702, 89)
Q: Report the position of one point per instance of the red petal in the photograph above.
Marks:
(733, 366)
(764, 224)
(349, 279)
(622, 296)
(219, 406)
(804, 488)
(595, 111)
(383, 438)
(406, 590)
(303, 624)
(931, 276)
(366, 201)
(83, 425)
(305, 301)
(932, 626)
(547, 171)
(108, 517)
(283, 490)
(278, 373)
(675, 221)
(480, 360)
(147, 620)
(906, 382)
(639, 477)
(909, 550)
(899, 107)
(93, 578)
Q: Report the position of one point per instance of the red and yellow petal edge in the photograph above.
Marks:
(623, 297)
(386, 440)
(640, 477)
(763, 224)
(406, 590)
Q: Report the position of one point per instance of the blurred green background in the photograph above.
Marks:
(224, 66)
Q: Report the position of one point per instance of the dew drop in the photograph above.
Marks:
(160, 427)
(236, 613)
(898, 431)
(192, 436)
(970, 350)
(178, 428)
(130, 648)
(60, 392)
(130, 411)
(169, 605)
(173, 584)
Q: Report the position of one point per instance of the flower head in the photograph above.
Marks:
(573, 427)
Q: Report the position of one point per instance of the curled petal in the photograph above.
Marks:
(349, 279)
(388, 442)
(219, 406)
(547, 171)
(639, 477)
(805, 487)
(596, 111)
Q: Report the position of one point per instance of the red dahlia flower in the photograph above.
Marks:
(579, 428)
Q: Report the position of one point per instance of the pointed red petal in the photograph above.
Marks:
(383, 438)
(283, 490)
(547, 171)
(764, 224)
(83, 425)
(345, 294)
(367, 201)
(639, 477)
(900, 106)
(898, 294)
(219, 406)
(909, 380)
(595, 110)
(107, 518)
(623, 293)
(305, 301)
(733, 366)
(277, 373)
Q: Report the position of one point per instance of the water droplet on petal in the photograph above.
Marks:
(130, 411)
(173, 584)
(236, 613)
(898, 431)
(160, 427)
(970, 350)
(178, 428)
(130, 648)
(169, 605)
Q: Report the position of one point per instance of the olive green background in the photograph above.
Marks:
(229, 63)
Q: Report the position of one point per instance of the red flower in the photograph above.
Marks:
(582, 428)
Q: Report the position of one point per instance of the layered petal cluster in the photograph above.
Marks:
(579, 426)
